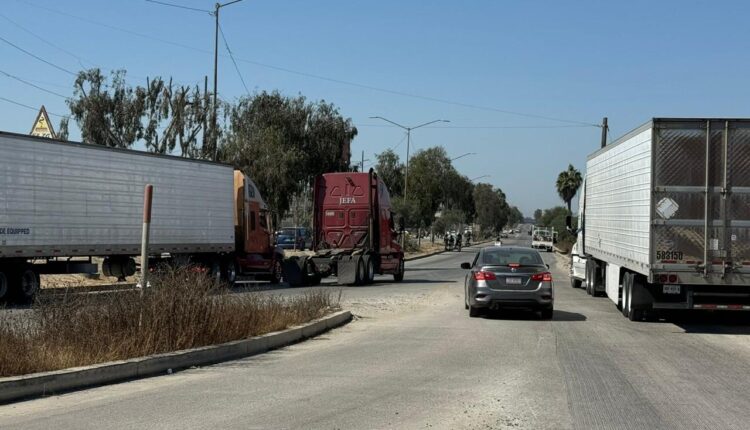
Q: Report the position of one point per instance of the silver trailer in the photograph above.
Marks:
(664, 217)
(60, 200)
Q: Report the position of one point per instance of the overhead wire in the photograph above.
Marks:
(239, 73)
(33, 85)
(31, 107)
(320, 77)
(38, 57)
(179, 6)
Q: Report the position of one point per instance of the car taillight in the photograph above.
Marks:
(484, 276)
(544, 277)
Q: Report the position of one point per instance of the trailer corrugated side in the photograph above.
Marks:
(71, 199)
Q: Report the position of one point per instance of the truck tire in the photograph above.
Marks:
(3, 286)
(627, 282)
(575, 283)
(230, 272)
(276, 271)
(399, 275)
(214, 271)
(369, 269)
(634, 314)
(589, 276)
(28, 284)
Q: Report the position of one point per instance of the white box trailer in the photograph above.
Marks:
(62, 199)
(664, 217)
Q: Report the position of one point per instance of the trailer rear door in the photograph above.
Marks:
(701, 198)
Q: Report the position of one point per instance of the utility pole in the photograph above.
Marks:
(605, 129)
(214, 134)
(362, 168)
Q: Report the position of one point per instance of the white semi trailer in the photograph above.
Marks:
(664, 217)
(62, 203)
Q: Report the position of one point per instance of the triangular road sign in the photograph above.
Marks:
(42, 126)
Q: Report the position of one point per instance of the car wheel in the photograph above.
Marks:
(474, 312)
(547, 313)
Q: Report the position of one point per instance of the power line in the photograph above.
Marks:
(323, 78)
(226, 44)
(37, 57)
(31, 107)
(482, 126)
(394, 147)
(78, 58)
(179, 6)
(33, 85)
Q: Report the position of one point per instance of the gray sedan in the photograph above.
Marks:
(508, 277)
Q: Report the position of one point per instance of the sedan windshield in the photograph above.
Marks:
(508, 256)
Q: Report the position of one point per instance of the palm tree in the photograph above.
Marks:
(568, 183)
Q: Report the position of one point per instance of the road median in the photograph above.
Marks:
(55, 382)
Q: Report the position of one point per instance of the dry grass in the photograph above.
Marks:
(183, 310)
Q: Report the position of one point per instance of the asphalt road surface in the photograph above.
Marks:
(414, 359)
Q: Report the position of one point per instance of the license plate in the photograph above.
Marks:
(513, 281)
(671, 289)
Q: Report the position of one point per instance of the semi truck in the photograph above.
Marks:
(664, 218)
(355, 231)
(63, 203)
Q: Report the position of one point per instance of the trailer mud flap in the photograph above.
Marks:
(347, 270)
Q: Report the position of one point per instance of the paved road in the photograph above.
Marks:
(414, 359)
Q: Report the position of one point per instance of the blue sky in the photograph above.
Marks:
(576, 61)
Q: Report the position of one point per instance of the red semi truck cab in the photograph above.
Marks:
(355, 233)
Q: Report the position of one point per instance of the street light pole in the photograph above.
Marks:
(408, 145)
(479, 177)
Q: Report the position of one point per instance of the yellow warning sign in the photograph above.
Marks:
(42, 126)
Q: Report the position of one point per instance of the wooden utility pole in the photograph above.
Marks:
(605, 129)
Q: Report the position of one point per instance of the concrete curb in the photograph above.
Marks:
(16, 388)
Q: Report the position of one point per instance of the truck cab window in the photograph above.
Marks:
(264, 220)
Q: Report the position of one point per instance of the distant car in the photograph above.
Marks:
(285, 238)
(503, 235)
(508, 277)
(498, 242)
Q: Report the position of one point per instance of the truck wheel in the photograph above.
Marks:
(575, 283)
(399, 276)
(370, 270)
(3, 286)
(28, 285)
(276, 272)
(215, 271)
(230, 272)
(589, 276)
(627, 294)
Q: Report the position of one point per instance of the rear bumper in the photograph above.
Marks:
(537, 299)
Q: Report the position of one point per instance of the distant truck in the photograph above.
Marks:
(355, 233)
(62, 203)
(664, 218)
(543, 238)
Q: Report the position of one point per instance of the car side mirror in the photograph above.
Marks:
(547, 265)
(466, 266)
